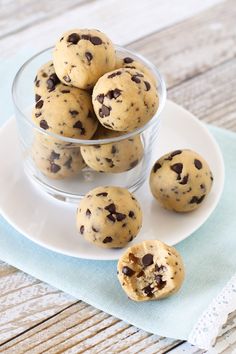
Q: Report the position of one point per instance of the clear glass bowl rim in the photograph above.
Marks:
(162, 99)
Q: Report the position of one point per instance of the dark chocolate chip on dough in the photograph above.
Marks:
(104, 111)
(128, 60)
(107, 239)
(197, 164)
(54, 168)
(196, 199)
(73, 38)
(147, 259)
(96, 40)
(89, 56)
(43, 124)
(39, 104)
(156, 167)
(128, 271)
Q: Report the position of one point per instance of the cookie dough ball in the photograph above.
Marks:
(67, 112)
(124, 99)
(150, 270)
(114, 157)
(56, 163)
(109, 217)
(181, 180)
(130, 63)
(81, 56)
(45, 81)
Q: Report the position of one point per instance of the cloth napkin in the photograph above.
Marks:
(201, 307)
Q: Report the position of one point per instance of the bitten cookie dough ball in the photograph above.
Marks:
(45, 81)
(114, 157)
(67, 112)
(81, 56)
(124, 100)
(109, 217)
(181, 180)
(56, 163)
(130, 63)
(150, 270)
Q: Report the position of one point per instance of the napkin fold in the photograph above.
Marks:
(209, 257)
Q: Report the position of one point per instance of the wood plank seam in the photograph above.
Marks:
(34, 326)
(47, 18)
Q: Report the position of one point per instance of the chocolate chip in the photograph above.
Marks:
(79, 125)
(156, 167)
(128, 271)
(100, 98)
(135, 79)
(177, 168)
(160, 283)
(113, 149)
(61, 39)
(162, 268)
(81, 229)
(202, 186)
(116, 73)
(86, 37)
(43, 124)
(37, 83)
(54, 156)
(96, 40)
(184, 180)
(197, 164)
(104, 111)
(140, 274)
(197, 200)
(94, 229)
(67, 78)
(39, 104)
(128, 60)
(88, 56)
(120, 216)
(36, 78)
(54, 168)
(73, 38)
(68, 162)
(111, 217)
(148, 86)
(88, 213)
(37, 97)
(173, 154)
(133, 258)
(107, 239)
(147, 260)
(148, 290)
(111, 208)
(38, 114)
(131, 214)
(133, 163)
(102, 194)
(113, 94)
(211, 178)
(73, 113)
(97, 146)
(65, 91)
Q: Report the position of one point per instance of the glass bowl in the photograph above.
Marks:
(72, 183)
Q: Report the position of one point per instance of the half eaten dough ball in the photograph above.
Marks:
(150, 270)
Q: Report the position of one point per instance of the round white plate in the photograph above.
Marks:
(51, 223)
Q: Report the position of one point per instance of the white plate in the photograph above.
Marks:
(51, 223)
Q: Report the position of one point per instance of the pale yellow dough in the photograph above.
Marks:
(181, 180)
(54, 162)
(81, 56)
(66, 111)
(109, 217)
(124, 99)
(150, 270)
(114, 157)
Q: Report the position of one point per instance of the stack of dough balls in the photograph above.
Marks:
(86, 92)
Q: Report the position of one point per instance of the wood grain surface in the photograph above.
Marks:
(198, 58)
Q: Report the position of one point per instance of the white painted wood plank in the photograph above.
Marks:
(15, 15)
(124, 21)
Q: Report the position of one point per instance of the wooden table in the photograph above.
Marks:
(195, 48)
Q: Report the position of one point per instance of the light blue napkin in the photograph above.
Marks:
(209, 256)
